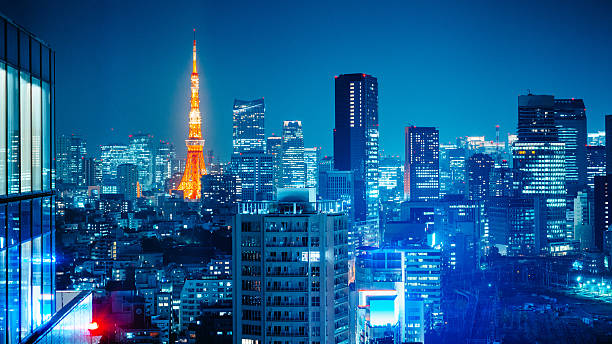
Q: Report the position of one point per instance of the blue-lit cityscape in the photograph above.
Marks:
(478, 239)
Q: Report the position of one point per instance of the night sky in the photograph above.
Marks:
(123, 66)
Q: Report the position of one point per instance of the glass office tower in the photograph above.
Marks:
(422, 165)
(356, 138)
(248, 134)
(26, 182)
(292, 156)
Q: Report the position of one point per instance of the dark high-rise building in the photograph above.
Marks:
(596, 163)
(421, 168)
(91, 172)
(292, 156)
(479, 167)
(571, 124)
(603, 194)
(536, 118)
(356, 138)
(127, 180)
(71, 150)
(248, 134)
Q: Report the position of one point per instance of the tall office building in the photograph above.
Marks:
(536, 118)
(311, 159)
(111, 156)
(391, 179)
(571, 124)
(595, 163)
(517, 225)
(274, 146)
(248, 133)
(422, 165)
(603, 195)
(71, 150)
(27, 196)
(142, 149)
(479, 168)
(539, 159)
(162, 167)
(91, 172)
(127, 181)
(452, 169)
(290, 263)
(539, 170)
(356, 138)
(255, 172)
(292, 155)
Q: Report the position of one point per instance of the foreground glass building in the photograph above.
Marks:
(26, 183)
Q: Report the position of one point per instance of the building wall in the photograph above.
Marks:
(27, 204)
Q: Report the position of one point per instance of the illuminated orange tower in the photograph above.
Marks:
(194, 166)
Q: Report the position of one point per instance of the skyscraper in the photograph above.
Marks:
(421, 168)
(536, 118)
(71, 150)
(142, 148)
(539, 170)
(290, 265)
(479, 168)
(274, 147)
(596, 163)
(162, 167)
(111, 156)
(292, 156)
(255, 172)
(311, 159)
(571, 124)
(603, 195)
(356, 138)
(127, 180)
(539, 163)
(195, 166)
(391, 180)
(248, 134)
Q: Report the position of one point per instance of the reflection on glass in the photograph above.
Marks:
(46, 136)
(13, 294)
(3, 296)
(36, 135)
(25, 117)
(47, 277)
(12, 88)
(36, 282)
(26, 288)
(2, 131)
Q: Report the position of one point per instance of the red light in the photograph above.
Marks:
(335, 77)
(363, 75)
(92, 326)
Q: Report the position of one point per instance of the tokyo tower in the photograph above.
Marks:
(194, 166)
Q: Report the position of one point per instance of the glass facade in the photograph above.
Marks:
(26, 182)
(248, 118)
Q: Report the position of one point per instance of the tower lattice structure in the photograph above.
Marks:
(194, 167)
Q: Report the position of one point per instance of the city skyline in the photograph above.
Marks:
(458, 67)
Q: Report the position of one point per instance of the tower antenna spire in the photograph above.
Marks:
(195, 70)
